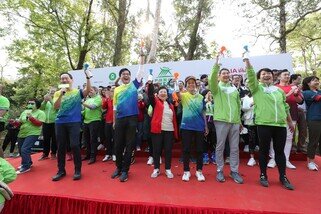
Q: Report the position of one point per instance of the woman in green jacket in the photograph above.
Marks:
(271, 117)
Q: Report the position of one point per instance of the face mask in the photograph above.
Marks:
(30, 106)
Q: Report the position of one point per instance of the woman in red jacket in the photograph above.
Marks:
(163, 128)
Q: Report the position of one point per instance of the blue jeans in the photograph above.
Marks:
(25, 145)
(65, 133)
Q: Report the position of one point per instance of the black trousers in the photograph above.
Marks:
(68, 133)
(49, 138)
(109, 133)
(11, 137)
(210, 139)
(160, 141)
(252, 138)
(125, 132)
(189, 136)
(278, 135)
(91, 133)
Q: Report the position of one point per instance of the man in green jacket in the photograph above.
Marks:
(48, 127)
(227, 120)
(271, 117)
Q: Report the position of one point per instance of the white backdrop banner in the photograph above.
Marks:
(163, 72)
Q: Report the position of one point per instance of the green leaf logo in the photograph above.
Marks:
(112, 76)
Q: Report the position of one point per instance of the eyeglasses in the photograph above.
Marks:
(31, 103)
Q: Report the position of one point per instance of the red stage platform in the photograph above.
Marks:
(97, 193)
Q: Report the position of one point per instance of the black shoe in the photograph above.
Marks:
(58, 176)
(85, 158)
(123, 177)
(77, 176)
(116, 173)
(264, 181)
(91, 161)
(286, 183)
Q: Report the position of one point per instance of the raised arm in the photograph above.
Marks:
(251, 75)
(213, 79)
(150, 92)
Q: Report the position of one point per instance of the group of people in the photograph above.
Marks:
(212, 114)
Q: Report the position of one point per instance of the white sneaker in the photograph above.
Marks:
(290, 165)
(271, 163)
(114, 157)
(150, 160)
(200, 176)
(169, 173)
(160, 160)
(246, 148)
(312, 166)
(107, 158)
(138, 148)
(186, 176)
(251, 162)
(155, 173)
(100, 147)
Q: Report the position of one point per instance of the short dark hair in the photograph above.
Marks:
(294, 77)
(283, 71)
(258, 74)
(306, 81)
(223, 69)
(37, 102)
(123, 70)
(203, 76)
(70, 76)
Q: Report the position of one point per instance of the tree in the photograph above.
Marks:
(119, 10)
(193, 16)
(152, 54)
(305, 44)
(278, 19)
(69, 23)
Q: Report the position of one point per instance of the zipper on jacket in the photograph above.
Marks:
(229, 105)
(276, 109)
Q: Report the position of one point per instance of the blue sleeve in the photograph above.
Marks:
(136, 83)
(308, 96)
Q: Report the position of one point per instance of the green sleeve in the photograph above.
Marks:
(213, 80)
(43, 105)
(7, 172)
(286, 105)
(42, 116)
(253, 82)
(98, 102)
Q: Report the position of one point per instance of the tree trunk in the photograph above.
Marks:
(282, 20)
(121, 22)
(193, 37)
(152, 54)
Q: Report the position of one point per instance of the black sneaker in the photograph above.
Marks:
(286, 183)
(116, 173)
(264, 181)
(123, 177)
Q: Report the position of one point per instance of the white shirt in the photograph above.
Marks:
(167, 119)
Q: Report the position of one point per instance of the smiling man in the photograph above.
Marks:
(68, 103)
(227, 115)
(125, 119)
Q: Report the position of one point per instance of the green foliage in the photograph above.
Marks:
(305, 44)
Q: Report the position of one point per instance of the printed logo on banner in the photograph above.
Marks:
(112, 76)
(164, 76)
